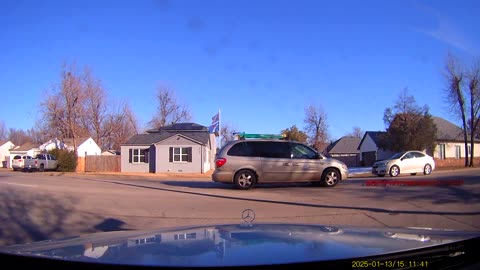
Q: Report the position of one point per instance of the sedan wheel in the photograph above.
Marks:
(427, 169)
(245, 179)
(394, 171)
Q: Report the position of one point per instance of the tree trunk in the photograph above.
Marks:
(465, 138)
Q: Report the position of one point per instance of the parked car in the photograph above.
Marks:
(42, 162)
(247, 162)
(18, 162)
(412, 162)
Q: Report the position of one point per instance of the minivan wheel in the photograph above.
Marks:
(245, 179)
(330, 178)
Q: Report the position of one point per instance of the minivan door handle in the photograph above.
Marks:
(296, 164)
(287, 164)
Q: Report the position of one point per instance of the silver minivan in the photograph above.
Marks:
(247, 162)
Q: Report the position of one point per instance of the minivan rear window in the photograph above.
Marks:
(272, 149)
(242, 149)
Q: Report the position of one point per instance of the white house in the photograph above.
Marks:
(85, 146)
(450, 142)
(28, 149)
(52, 144)
(369, 152)
(5, 147)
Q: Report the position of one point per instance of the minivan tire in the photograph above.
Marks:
(245, 179)
(330, 178)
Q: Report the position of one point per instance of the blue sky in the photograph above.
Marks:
(259, 62)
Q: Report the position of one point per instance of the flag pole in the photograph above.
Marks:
(219, 130)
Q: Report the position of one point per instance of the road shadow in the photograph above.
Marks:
(197, 184)
(30, 217)
(110, 225)
(282, 202)
(434, 194)
(216, 185)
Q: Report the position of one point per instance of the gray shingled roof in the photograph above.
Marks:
(78, 141)
(200, 135)
(180, 127)
(26, 146)
(345, 145)
(447, 131)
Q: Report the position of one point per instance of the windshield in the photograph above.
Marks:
(397, 155)
(133, 110)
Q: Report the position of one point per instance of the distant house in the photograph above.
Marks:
(52, 144)
(86, 146)
(449, 144)
(5, 147)
(368, 149)
(28, 149)
(345, 149)
(181, 147)
(110, 153)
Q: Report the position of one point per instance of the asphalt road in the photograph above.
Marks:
(39, 206)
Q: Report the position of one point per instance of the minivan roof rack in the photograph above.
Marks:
(243, 136)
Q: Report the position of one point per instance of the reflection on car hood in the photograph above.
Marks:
(230, 245)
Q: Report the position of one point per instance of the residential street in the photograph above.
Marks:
(39, 206)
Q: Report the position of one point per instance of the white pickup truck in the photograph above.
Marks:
(41, 163)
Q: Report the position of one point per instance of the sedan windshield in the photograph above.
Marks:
(397, 155)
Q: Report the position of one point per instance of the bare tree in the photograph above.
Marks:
(227, 132)
(474, 94)
(36, 136)
(118, 127)
(63, 111)
(18, 136)
(316, 126)
(95, 107)
(3, 130)
(357, 132)
(169, 109)
(79, 107)
(455, 78)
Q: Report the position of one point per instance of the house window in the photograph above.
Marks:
(470, 150)
(442, 151)
(458, 151)
(138, 156)
(180, 154)
(184, 236)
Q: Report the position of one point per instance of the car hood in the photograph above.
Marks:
(384, 161)
(237, 244)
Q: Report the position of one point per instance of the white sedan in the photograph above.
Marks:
(412, 162)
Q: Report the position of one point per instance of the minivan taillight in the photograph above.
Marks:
(219, 162)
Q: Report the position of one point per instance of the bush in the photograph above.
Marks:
(67, 160)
